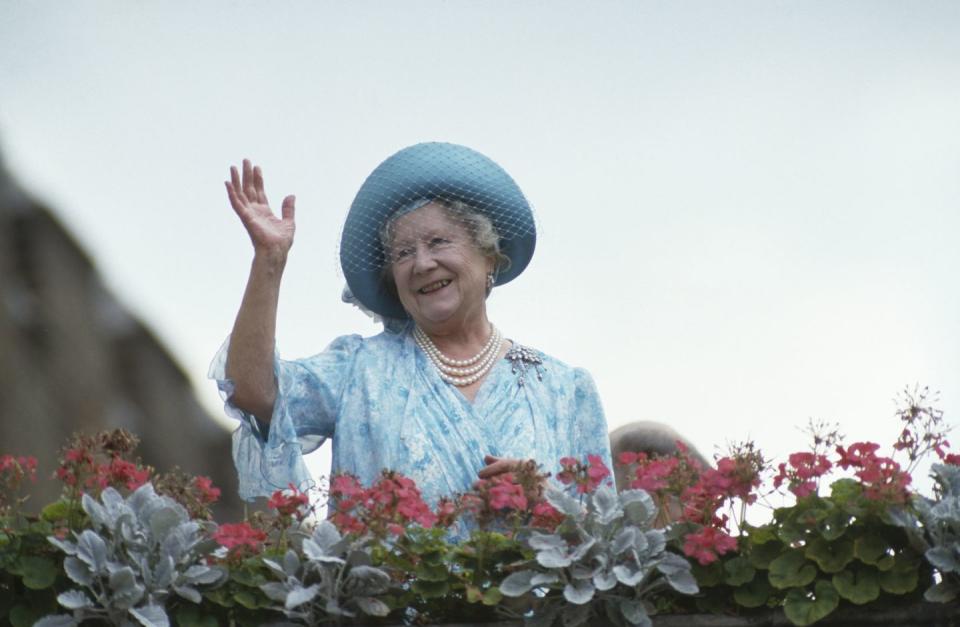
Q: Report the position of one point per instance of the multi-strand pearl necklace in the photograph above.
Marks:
(461, 372)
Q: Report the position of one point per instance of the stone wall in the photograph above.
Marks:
(72, 358)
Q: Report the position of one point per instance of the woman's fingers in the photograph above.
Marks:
(235, 201)
(258, 185)
(287, 209)
(497, 466)
(235, 181)
(247, 186)
(249, 189)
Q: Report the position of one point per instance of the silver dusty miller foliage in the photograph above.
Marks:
(329, 578)
(138, 552)
(938, 531)
(605, 558)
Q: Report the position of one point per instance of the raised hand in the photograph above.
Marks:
(271, 235)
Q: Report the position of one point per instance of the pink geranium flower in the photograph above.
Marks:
(239, 536)
(708, 544)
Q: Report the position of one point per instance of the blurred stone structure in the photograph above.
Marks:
(72, 358)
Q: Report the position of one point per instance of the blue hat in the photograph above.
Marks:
(419, 173)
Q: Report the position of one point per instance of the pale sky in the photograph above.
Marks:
(749, 211)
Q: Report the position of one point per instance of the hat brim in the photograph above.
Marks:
(430, 171)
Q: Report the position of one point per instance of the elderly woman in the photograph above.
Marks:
(441, 395)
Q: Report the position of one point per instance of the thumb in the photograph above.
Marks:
(287, 209)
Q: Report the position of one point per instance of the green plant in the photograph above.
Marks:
(138, 551)
(936, 529)
(604, 558)
(329, 578)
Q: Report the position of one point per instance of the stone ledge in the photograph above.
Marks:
(916, 615)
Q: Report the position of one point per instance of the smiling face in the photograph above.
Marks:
(439, 273)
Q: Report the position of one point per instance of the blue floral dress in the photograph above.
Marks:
(385, 406)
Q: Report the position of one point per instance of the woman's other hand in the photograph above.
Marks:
(498, 466)
(271, 236)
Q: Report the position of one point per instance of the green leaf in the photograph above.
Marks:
(762, 554)
(870, 548)
(38, 573)
(709, 575)
(59, 510)
(810, 517)
(804, 607)
(845, 491)
(738, 571)
(713, 600)
(247, 599)
(859, 584)
(834, 525)
(903, 577)
(791, 570)
(831, 557)
(474, 594)
(432, 572)
(790, 531)
(221, 596)
(192, 616)
(24, 616)
(431, 557)
(761, 534)
(430, 589)
(492, 596)
(247, 577)
(754, 593)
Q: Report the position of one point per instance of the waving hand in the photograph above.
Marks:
(270, 234)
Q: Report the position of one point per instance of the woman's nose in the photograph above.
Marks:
(423, 259)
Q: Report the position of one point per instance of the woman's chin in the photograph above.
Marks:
(434, 318)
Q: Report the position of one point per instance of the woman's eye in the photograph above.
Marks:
(439, 241)
(403, 253)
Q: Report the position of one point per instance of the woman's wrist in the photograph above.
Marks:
(270, 260)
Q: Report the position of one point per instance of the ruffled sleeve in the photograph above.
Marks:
(270, 457)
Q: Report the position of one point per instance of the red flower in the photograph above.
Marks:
(239, 535)
(207, 492)
(708, 544)
(18, 467)
(655, 474)
(806, 469)
(289, 502)
(545, 516)
(387, 506)
(127, 473)
(857, 455)
(446, 512)
(66, 476)
(74, 455)
(505, 494)
(345, 485)
(347, 523)
(569, 473)
(597, 471)
(587, 476)
(884, 481)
